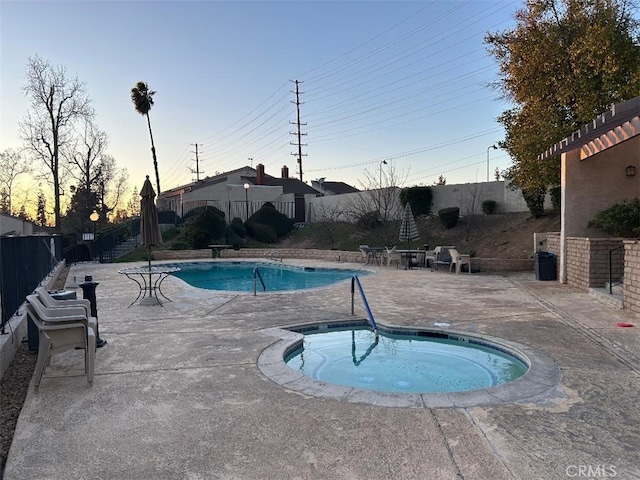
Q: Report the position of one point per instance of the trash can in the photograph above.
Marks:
(32, 331)
(545, 266)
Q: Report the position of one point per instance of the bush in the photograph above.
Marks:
(268, 215)
(202, 229)
(449, 217)
(261, 232)
(535, 202)
(621, 220)
(179, 245)
(233, 238)
(170, 234)
(198, 210)
(167, 216)
(420, 199)
(237, 225)
(489, 206)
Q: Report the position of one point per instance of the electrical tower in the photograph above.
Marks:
(299, 133)
(197, 170)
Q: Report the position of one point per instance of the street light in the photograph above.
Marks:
(246, 197)
(489, 148)
(94, 217)
(383, 162)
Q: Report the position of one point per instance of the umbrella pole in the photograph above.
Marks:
(149, 259)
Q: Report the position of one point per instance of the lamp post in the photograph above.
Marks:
(489, 148)
(94, 217)
(246, 198)
(383, 162)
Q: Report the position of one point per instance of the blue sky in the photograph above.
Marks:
(402, 81)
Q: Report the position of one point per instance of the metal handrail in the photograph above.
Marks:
(356, 281)
(256, 276)
(620, 263)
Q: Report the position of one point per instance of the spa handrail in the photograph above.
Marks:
(256, 276)
(356, 281)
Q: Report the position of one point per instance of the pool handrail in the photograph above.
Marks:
(356, 281)
(256, 275)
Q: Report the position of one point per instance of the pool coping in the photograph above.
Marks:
(535, 386)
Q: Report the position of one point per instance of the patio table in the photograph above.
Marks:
(407, 255)
(150, 281)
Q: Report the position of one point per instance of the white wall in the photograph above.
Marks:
(13, 224)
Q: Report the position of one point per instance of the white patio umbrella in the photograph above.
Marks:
(408, 229)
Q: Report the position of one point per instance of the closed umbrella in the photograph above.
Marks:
(408, 229)
(149, 225)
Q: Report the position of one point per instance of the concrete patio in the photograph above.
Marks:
(178, 393)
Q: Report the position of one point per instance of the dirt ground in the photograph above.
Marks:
(502, 235)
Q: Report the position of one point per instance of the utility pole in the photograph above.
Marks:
(197, 170)
(299, 132)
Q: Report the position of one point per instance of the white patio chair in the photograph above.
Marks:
(458, 260)
(393, 256)
(57, 337)
(51, 302)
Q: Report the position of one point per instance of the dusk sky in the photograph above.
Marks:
(403, 81)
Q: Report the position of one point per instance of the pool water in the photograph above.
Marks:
(408, 363)
(238, 276)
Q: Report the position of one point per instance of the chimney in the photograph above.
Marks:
(285, 171)
(260, 174)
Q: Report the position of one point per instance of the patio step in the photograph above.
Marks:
(603, 295)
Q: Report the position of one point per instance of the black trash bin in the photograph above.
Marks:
(545, 265)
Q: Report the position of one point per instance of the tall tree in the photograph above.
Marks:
(563, 63)
(41, 211)
(142, 99)
(57, 102)
(12, 164)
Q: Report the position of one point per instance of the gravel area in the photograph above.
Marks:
(14, 385)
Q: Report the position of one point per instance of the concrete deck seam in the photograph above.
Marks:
(446, 444)
(492, 447)
(625, 357)
(221, 305)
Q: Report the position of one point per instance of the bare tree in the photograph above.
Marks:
(469, 207)
(57, 103)
(375, 210)
(86, 154)
(12, 164)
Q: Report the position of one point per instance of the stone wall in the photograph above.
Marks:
(631, 286)
(588, 261)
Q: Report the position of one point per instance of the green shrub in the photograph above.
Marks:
(237, 225)
(449, 217)
(489, 206)
(204, 228)
(420, 199)
(261, 232)
(194, 212)
(620, 220)
(233, 238)
(179, 245)
(535, 202)
(170, 234)
(269, 215)
(167, 216)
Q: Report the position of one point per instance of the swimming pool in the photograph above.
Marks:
(416, 362)
(238, 276)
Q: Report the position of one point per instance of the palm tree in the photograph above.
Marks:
(142, 98)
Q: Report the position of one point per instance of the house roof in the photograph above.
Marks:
(614, 126)
(203, 183)
(338, 187)
(289, 185)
